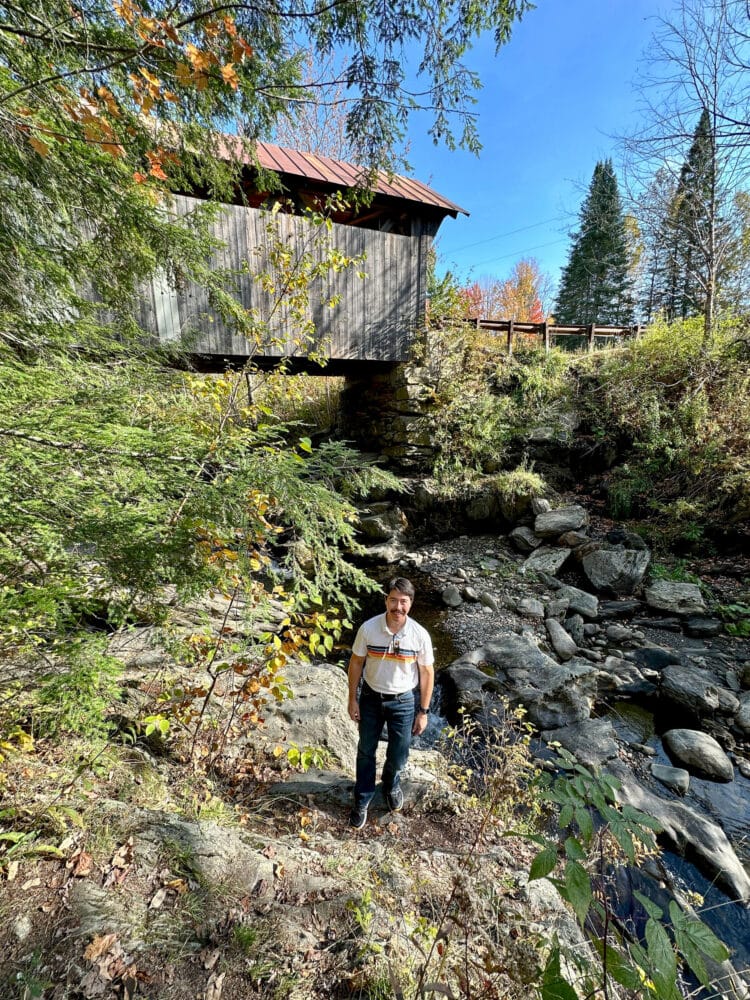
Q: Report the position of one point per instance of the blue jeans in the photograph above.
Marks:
(397, 713)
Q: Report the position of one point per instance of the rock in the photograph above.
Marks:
(616, 570)
(381, 522)
(745, 676)
(530, 607)
(22, 927)
(540, 506)
(688, 831)
(574, 627)
(316, 715)
(580, 601)
(698, 690)
(700, 753)
(489, 601)
(562, 643)
(742, 718)
(623, 678)
(591, 741)
(513, 666)
(618, 633)
(552, 523)
(702, 626)
(677, 598)
(627, 539)
(545, 559)
(469, 594)
(618, 609)
(676, 778)
(524, 539)
(653, 657)
(573, 539)
(557, 607)
(451, 596)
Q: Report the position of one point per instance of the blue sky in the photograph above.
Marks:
(553, 100)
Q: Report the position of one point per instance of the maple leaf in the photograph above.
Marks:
(229, 76)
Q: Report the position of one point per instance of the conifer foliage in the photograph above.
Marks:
(596, 284)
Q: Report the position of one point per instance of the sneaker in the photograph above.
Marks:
(395, 800)
(358, 817)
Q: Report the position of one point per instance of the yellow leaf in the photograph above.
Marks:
(278, 751)
(184, 74)
(229, 76)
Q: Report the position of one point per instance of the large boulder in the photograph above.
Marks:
(700, 753)
(689, 832)
(697, 690)
(615, 569)
(513, 667)
(675, 597)
(316, 715)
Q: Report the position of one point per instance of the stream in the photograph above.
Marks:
(727, 804)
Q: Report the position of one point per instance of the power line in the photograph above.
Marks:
(513, 232)
(519, 253)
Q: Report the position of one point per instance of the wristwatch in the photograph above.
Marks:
(423, 711)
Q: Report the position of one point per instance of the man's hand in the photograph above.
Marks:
(354, 710)
(420, 724)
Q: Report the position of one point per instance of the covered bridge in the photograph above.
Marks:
(376, 316)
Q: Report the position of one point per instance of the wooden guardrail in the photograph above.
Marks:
(549, 332)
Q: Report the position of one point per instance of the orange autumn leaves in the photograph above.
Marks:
(164, 57)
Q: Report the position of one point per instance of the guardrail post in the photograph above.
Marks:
(590, 336)
(545, 335)
(510, 337)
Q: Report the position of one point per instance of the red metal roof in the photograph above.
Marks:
(323, 168)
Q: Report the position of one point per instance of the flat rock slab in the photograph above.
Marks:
(551, 524)
(677, 598)
(546, 559)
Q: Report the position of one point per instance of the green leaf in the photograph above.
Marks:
(694, 940)
(574, 850)
(655, 912)
(554, 985)
(662, 958)
(578, 887)
(543, 863)
(619, 965)
(585, 824)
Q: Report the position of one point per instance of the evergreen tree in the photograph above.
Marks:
(689, 225)
(596, 285)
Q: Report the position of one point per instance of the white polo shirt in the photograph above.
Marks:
(392, 660)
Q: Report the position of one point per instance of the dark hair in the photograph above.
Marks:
(401, 584)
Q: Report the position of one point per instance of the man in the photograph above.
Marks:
(392, 657)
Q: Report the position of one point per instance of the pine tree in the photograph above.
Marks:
(689, 224)
(596, 284)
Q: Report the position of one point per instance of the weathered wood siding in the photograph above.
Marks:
(374, 320)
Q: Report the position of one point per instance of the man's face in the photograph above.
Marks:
(397, 607)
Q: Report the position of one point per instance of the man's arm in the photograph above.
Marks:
(426, 684)
(356, 666)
